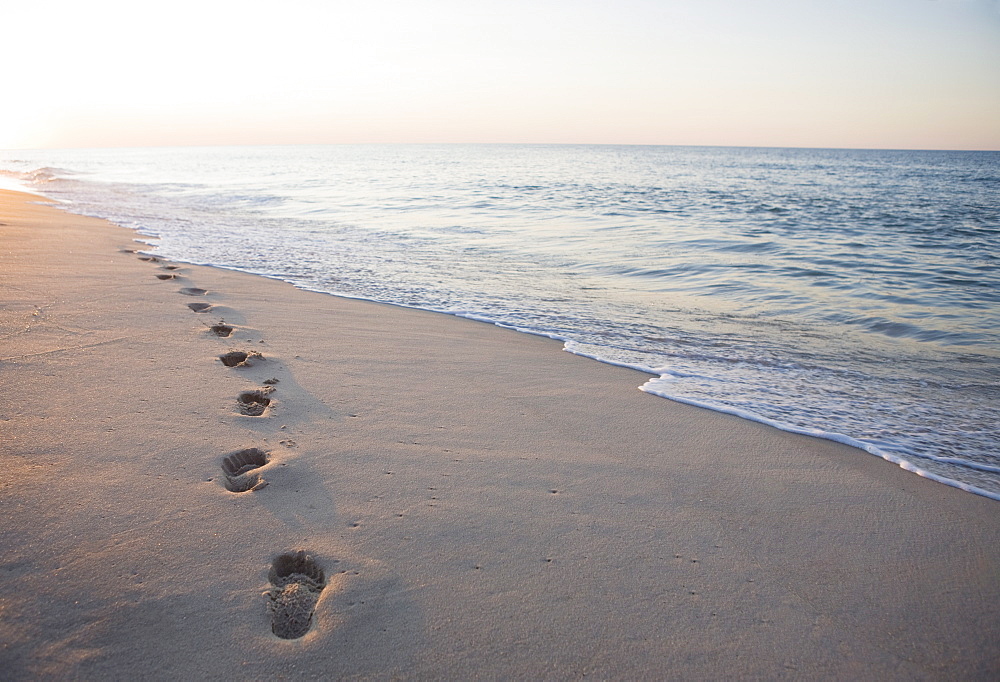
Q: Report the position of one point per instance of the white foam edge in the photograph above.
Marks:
(571, 346)
(840, 438)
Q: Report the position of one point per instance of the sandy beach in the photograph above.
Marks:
(425, 497)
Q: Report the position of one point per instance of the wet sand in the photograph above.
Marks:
(469, 502)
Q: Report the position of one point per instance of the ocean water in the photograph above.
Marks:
(853, 295)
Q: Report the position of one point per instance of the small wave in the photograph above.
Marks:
(753, 247)
(775, 210)
(36, 177)
(46, 174)
(810, 273)
(904, 330)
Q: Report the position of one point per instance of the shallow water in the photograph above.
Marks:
(851, 294)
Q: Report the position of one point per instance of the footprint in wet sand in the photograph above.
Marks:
(200, 307)
(297, 581)
(193, 291)
(171, 267)
(221, 329)
(239, 358)
(254, 403)
(166, 277)
(239, 469)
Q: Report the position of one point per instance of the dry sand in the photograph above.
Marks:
(482, 504)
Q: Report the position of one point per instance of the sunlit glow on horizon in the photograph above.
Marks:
(877, 74)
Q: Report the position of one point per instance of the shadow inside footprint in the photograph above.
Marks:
(200, 307)
(253, 403)
(239, 466)
(166, 276)
(222, 329)
(297, 581)
(193, 291)
(238, 358)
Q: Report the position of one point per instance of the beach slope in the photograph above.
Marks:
(206, 474)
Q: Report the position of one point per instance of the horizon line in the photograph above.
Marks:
(498, 144)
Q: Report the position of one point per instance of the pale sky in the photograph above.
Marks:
(909, 74)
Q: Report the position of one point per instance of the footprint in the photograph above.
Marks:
(221, 329)
(238, 358)
(149, 259)
(297, 581)
(200, 307)
(166, 277)
(254, 403)
(193, 291)
(171, 267)
(238, 467)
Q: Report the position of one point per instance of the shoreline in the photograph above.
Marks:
(475, 513)
(911, 465)
(913, 381)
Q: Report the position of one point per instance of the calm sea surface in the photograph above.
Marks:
(849, 294)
